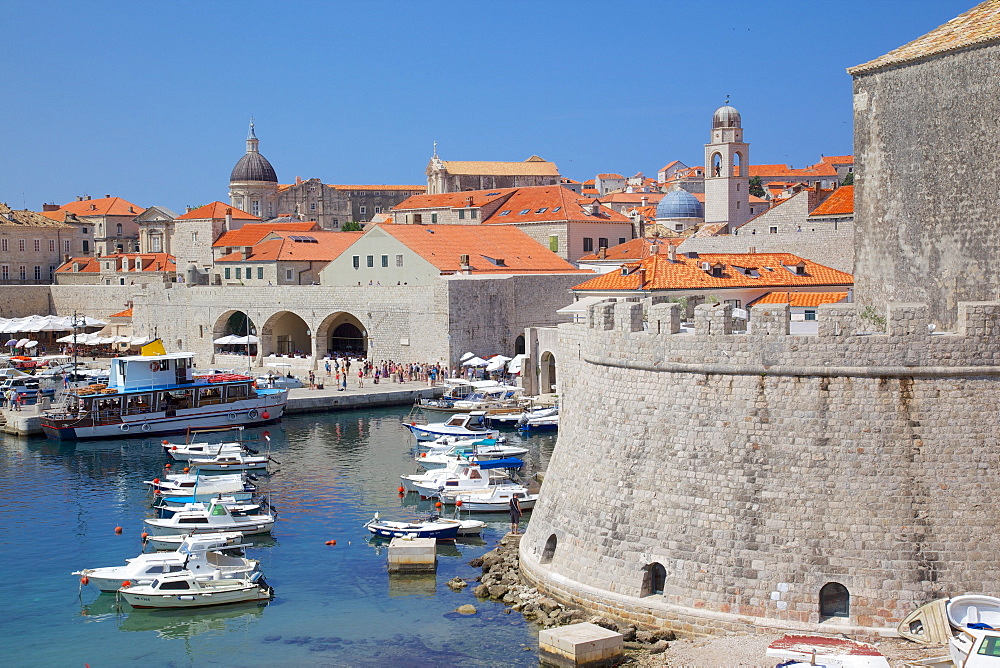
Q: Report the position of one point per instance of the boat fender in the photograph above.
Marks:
(266, 415)
(146, 427)
(85, 580)
(232, 416)
(123, 426)
(252, 414)
(154, 366)
(126, 584)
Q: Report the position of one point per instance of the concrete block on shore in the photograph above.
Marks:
(582, 644)
(24, 422)
(412, 555)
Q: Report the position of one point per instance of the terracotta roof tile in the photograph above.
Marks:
(486, 246)
(687, 274)
(150, 262)
(251, 233)
(550, 204)
(533, 166)
(106, 206)
(633, 250)
(127, 313)
(611, 198)
(376, 187)
(27, 218)
(216, 211)
(979, 25)
(840, 203)
(838, 159)
(454, 200)
(610, 176)
(291, 246)
(800, 298)
(784, 171)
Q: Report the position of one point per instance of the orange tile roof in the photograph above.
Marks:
(589, 182)
(590, 191)
(784, 171)
(27, 218)
(454, 200)
(127, 313)
(838, 159)
(840, 203)
(800, 298)
(376, 187)
(442, 246)
(686, 273)
(669, 165)
(252, 233)
(610, 176)
(216, 211)
(328, 246)
(533, 166)
(105, 206)
(150, 262)
(537, 204)
(635, 249)
(979, 25)
(565, 180)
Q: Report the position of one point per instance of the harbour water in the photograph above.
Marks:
(334, 605)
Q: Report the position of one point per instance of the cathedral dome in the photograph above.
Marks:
(679, 204)
(253, 166)
(726, 117)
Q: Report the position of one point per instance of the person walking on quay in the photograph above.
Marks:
(328, 367)
(361, 378)
(515, 514)
(344, 381)
(312, 380)
(336, 380)
(375, 378)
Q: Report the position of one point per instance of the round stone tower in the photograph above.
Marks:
(253, 184)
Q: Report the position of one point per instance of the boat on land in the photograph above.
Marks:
(148, 395)
(468, 425)
(820, 651)
(492, 500)
(975, 611)
(198, 554)
(215, 517)
(975, 648)
(183, 590)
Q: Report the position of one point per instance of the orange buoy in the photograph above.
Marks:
(166, 442)
(126, 584)
(459, 503)
(118, 530)
(186, 469)
(423, 454)
(438, 504)
(166, 466)
(156, 491)
(173, 448)
(266, 415)
(331, 542)
(413, 424)
(85, 580)
(400, 490)
(156, 481)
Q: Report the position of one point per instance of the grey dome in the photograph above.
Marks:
(679, 204)
(726, 117)
(253, 167)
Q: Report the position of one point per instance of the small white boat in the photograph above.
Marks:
(197, 554)
(974, 609)
(830, 652)
(975, 648)
(214, 517)
(459, 474)
(237, 461)
(225, 540)
(466, 528)
(203, 487)
(512, 419)
(182, 452)
(183, 590)
(418, 529)
(456, 389)
(494, 500)
(471, 425)
(236, 508)
(475, 453)
(547, 423)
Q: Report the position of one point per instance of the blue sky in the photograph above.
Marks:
(150, 101)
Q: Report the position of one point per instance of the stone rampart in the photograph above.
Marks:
(715, 482)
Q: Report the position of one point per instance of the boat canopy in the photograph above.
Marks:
(508, 463)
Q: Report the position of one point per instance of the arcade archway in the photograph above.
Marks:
(547, 373)
(342, 334)
(285, 333)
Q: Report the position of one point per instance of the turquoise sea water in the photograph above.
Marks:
(334, 605)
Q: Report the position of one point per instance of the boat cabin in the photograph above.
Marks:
(475, 420)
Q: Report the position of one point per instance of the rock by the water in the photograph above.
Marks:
(482, 591)
(466, 609)
(457, 584)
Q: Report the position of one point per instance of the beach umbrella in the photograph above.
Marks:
(21, 343)
(497, 362)
(139, 340)
(65, 339)
(467, 356)
(517, 363)
(31, 344)
(225, 340)
(12, 342)
(475, 361)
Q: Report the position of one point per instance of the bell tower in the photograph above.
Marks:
(727, 167)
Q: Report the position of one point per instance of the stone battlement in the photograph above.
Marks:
(848, 340)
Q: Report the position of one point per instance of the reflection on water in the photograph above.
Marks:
(334, 604)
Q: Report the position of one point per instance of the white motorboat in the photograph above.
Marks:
(500, 399)
(182, 452)
(236, 508)
(975, 648)
(456, 389)
(202, 487)
(225, 540)
(445, 443)
(820, 651)
(419, 529)
(197, 554)
(214, 517)
(476, 453)
(455, 471)
(470, 425)
(183, 590)
(548, 423)
(492, 500)
(513, 419)
(237, 461)
(974, 609)
(466, 528)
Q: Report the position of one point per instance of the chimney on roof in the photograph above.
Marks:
(65, 257)
(93, 207)
(468, 200)
(644, 201)
(816, 185)
(107, 197)
(86, 197)
(672, 253)
(298, 180)
(463, 264)
(602, 253)
(642, 277)
(131, 209)
(50, 207)
(229, 219)
(79, 198)
(190, 208)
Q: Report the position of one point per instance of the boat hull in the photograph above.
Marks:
(140, 599)
(427, 433)
(393, 530)
(163, 528)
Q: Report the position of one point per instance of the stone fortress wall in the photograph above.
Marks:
(757, 468)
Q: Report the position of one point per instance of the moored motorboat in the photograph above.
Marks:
(475, 453)
(466, 528)
(443, 531)
(183, 590)
(214, 517)
(471, 425)
(470, 477)
(182, 452)
(539, 423)
(227, 541)
(456, 469)
(224, 462)
(493, 500)
(975, 648)
(513, 419)
(201, 487)
(198, 554)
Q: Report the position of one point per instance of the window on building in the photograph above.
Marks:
(65, 245)
(38, 245)
(255, 207)
(194, 237)
(773, 229)
(678, 227)
(602, 243)
(239, 273)
(363, 210)
(5, 272)
(52, 245)
(418, 218)
(474, 214)
(737, 204)
(524, 211)
(549, 550)
(38, 273)
(288, 274)
(371, 261)
(23, 273)
(810, 314)
(20, 245)
(156, 244)
(86, 246)
(52, 272)
(118, 229)
(588, 244)
(621, 240)
(3, 246)
(385, 260)
(119, 248)
(312, 206)
(654, 579)
(260, 273)
(378, 209)
(248, 272)
(399, 260)
(434, 218)
(554, 243)
(461, 214)
(834, 601)
(542, 210)
(356, 261)
(226, 273)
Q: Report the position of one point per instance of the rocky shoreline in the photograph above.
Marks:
(501, 581)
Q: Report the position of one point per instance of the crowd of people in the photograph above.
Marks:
(341, 370)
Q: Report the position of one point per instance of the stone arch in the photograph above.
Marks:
(716, 166)
(737, 163)
(519, 345)
(654, 579)
(342, 332)
(549, 550)
(233, 321)
(286, 332)
(547, 373)
(834, 601)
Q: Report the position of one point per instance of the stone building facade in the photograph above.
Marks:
(32, 246)
(449, 176)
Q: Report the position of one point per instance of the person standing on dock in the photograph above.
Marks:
(515, 514)
(344, 381)
(361, 378)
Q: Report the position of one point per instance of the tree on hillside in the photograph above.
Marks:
(848, 180)
(350, 226)
(756, 187)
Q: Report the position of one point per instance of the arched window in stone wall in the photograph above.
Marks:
(519, 345)
(716, 165)
(834, 601)
(654, 579)
(737, 164)
(550, 549)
